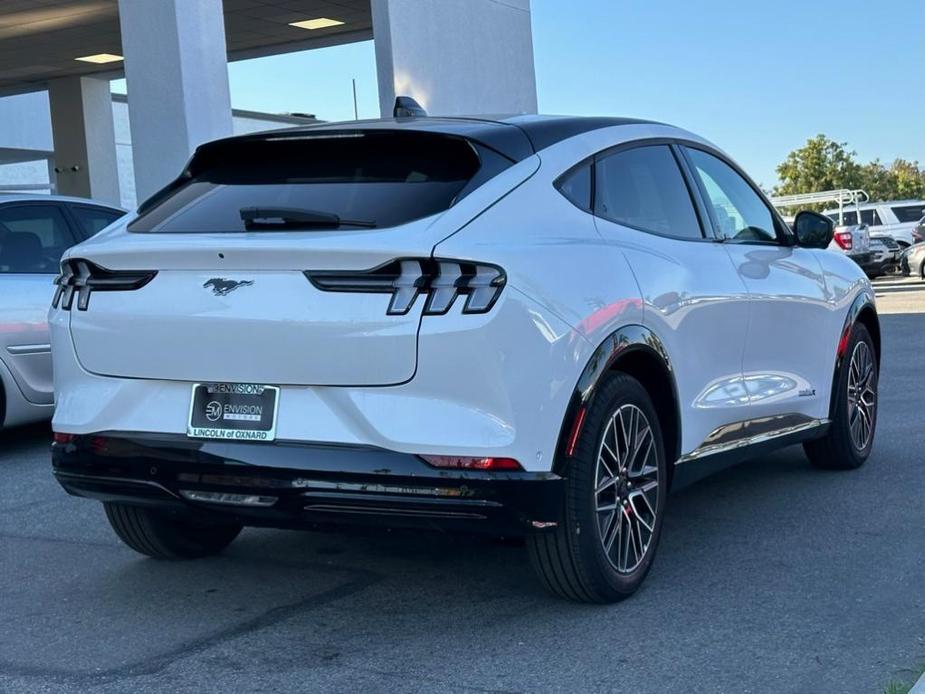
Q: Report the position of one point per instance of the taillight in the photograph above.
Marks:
(81, 277)
(406, 278)
(63, 439)
(843, 239)
(467, 463)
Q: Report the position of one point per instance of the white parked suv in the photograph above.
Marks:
(531, 325)
(896, 218)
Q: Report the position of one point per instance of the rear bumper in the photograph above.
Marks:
(293, 485)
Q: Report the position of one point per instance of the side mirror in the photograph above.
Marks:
(813, 230)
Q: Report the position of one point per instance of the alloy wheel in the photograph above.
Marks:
(626, 488)
(862, 396)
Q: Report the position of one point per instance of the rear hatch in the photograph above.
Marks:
(231, 242)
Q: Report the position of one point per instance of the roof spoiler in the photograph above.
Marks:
(406, 107)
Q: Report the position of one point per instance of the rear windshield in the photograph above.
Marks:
(365, 180)
(909, 213)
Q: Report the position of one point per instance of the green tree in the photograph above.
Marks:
(875, 178)
(908, 179)
(821, 164)
(902, 179)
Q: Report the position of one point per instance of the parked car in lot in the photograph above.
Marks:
(918, 233)
(530, 325)
(895, 218)
(34, 231)
(885, 253)
(912, 261)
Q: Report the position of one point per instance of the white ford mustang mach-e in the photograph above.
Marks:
(532, 325)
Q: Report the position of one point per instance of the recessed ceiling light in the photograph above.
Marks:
(100, 58)
(319, 23)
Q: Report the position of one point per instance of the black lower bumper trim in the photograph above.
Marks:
(287, 484)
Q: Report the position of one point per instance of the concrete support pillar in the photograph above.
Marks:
(455, 57)
(176, 72)
(84, 138)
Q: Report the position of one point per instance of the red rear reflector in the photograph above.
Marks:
(466, 463)
(843, 342)
(576, 431)
(62, 438)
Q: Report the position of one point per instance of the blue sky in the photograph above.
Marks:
(757, 78)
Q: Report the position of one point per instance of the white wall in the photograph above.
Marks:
(25, 122)
(456, 57)
(176, 73)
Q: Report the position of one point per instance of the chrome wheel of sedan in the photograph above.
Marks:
(626, 488)
(862, 396)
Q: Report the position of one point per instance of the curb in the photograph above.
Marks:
(919, 686)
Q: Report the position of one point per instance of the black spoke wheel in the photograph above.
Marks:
(626, 488)
(605, 542)
(850, 437)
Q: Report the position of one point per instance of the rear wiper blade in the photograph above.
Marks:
(268, 218)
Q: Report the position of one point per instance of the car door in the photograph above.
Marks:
(32, 238)
(789, 352)
(693, 299)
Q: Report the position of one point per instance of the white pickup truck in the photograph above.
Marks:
(896, 218)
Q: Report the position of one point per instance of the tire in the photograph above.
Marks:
(922, 270)
(850, 438)
(571, 560)
(161, 536)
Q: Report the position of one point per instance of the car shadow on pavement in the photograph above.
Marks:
(751, 560)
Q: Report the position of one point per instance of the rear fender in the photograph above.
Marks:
(864, 310)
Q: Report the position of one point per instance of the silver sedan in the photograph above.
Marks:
(34, 231)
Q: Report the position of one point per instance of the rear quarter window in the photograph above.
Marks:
(909, 213)
(575, 185)
(381, 178)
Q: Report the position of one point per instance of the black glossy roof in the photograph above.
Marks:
(515, 136)
(544, 131)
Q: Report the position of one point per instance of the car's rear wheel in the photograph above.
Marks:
(850, 437)
(616, 489)
(162, 536)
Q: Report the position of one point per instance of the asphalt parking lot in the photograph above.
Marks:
(771, 577)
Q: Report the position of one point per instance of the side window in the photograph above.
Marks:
(739, 211)
(870, 218)
(643, 188)
(576, 186)
(92, 220)
(849, 218)
(32, 238)
(909, 213)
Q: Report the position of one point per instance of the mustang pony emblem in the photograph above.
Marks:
(223, 287)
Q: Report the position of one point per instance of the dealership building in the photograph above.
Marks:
(62, 131)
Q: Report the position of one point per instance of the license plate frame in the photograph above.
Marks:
(233, 412)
